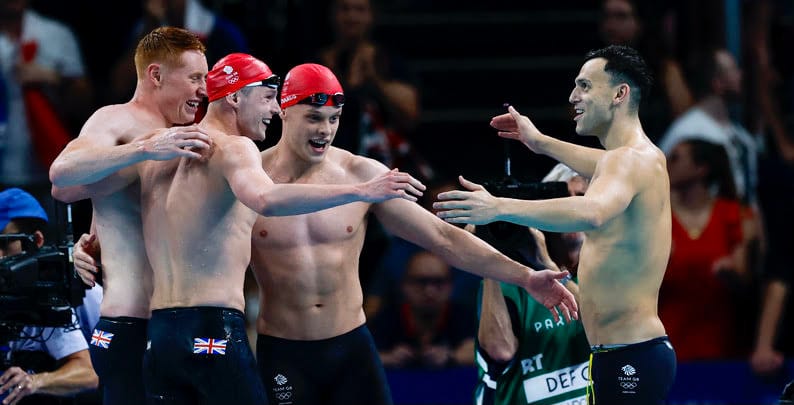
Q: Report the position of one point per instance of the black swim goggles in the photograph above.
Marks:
(273, 82)
(319, 99)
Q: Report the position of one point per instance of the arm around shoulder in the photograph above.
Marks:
(97, 152)
(255, 189)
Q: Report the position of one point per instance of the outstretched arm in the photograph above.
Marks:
(242, 167)
(100, 151)
(608, 196)
(469, 253)
(513, 125)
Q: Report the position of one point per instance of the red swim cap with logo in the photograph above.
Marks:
(235, 71)
(308, 79)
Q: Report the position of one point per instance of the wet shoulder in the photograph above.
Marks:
(652, 161)
(355, 167)
(229, 146)
(644, 161)
(118, 123)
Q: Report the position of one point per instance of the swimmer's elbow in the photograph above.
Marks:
(594, 217)
(264, 205)
(68, 195)
(270, 202)
(60, 194)
(58, 173)
(593, 222)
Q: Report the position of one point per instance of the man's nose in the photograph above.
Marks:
(574, 97)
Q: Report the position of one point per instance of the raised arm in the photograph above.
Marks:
(609, 194)
(242, 167)
(513, 125)
(103, 148)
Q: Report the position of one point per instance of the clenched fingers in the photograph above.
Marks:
(86, 273)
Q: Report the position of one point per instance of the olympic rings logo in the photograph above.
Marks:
(628, 385)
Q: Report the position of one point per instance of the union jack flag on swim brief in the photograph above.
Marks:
(101, 338)
(209, 346)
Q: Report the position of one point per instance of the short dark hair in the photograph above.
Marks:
(624, 64)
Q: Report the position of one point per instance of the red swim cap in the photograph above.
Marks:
(307, 79)
(235, 71)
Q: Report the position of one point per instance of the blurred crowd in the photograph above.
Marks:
(722, 110)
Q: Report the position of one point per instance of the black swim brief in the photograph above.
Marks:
(343, 370)
(640, 373)
(200, 355)
(116, 347)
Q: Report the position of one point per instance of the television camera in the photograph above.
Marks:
(38, 286)
(511, 239)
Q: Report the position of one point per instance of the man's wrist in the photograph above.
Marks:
(35, 382)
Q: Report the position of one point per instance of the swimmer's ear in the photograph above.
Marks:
(232, 98)
(622, 94)
(153, 72)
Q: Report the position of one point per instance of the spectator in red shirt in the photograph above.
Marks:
(708, 257)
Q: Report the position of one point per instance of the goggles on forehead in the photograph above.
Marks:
(273, 82)
(319, 99)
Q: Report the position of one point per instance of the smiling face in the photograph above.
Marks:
(258, 105)
(592, 98)
(309, 130)
(182, 86)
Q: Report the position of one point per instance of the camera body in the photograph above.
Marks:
(513, 240)
(510, 187)
(38, 287)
